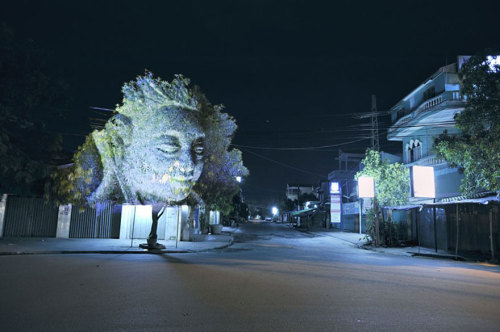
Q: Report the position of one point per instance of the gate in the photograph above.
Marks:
(91, 222)
(30, 217)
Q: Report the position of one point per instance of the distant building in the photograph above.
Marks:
(424, 114)
(293, 191)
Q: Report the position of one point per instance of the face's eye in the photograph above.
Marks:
(198, 149)
(168, 148)
(168, 144)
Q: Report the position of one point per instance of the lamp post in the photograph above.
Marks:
(423, 185)
(274, 211)
(366, 189)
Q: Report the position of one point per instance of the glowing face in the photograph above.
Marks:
(165, 156)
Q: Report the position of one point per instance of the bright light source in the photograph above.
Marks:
(493, 61)
(238, 178)
(366, 187)
(423, 181)
(307, 204)
(334, 188)
(274, 210)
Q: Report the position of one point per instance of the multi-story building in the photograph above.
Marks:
(293, 191)
(424, 114)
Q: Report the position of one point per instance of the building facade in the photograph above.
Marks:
(421, 116)
(293, 191)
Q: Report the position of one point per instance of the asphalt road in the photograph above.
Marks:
(272, 278)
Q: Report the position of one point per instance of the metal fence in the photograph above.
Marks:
(30, 217)
(92, 222)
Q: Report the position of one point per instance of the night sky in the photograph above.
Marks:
(290, 72)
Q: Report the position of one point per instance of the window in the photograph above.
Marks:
(413, 151)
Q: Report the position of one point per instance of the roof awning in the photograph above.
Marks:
(483, 200)
(303, 212)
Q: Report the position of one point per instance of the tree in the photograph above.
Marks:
(217, 185)
(288, 205)
(166, 144)
(392, 185)
(28, 97)
(305, 197)
(476, 151)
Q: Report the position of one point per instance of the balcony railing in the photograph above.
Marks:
(447, 98)
(431, 160)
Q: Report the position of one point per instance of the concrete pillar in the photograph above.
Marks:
(184, 223)
(3, 205)
(127, 220)
(170, 218)
(63, 221)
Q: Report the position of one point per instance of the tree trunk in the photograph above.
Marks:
(156, 213)
(190, 222)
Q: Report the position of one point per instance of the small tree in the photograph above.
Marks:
(476, 150)
(288, 205)
(392, 187)
(306, 197)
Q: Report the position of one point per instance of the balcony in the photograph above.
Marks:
(431, 160)
(447, 98)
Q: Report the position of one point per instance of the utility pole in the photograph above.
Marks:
(375, 141)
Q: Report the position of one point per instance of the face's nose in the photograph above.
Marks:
(185, 165)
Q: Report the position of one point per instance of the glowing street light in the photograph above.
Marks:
(238, 179)
(274, 211)
(423, 181)
(366, 189)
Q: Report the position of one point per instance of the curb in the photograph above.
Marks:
(118, 252)
(457, 258)
(358, 244)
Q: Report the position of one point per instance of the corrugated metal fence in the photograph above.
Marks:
(90, 222)
(30, 217)
(37, 217)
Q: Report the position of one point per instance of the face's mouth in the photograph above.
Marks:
(181, 179)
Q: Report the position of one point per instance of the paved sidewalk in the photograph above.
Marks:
(34, 246)
(360, 241)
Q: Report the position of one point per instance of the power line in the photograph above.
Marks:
(298, 148)
(283, 164)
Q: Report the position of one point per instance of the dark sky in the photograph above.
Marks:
(290, 72)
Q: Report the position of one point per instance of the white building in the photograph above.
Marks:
(424, 114)
(293, 191)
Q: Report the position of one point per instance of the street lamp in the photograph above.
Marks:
(423, 185)
(274, 211)
(238, 179)
(366, 189)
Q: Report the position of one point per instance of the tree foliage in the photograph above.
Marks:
(29, 94)
(477, 149)
(101, 169)
(217, 184)
(392, 188)
(392, 181)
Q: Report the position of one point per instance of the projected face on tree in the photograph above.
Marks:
(151, 151)
(164, 157)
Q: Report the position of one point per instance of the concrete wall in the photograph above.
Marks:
(63, 221)
(136, 222)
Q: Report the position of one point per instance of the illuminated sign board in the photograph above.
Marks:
(422, 180)
(334, 188)
(335, 208)
(366, 187)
